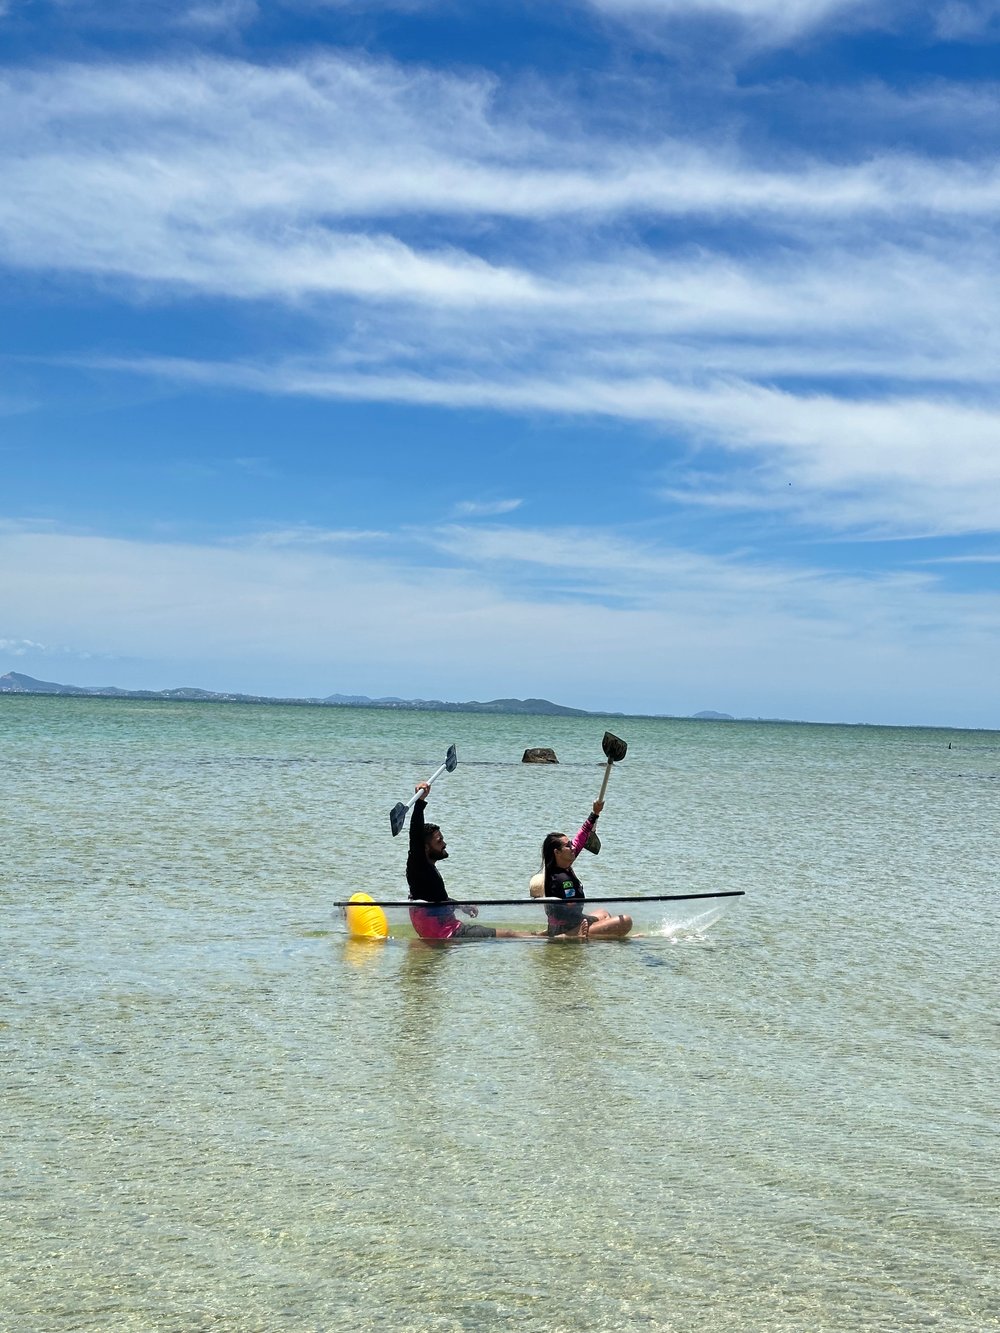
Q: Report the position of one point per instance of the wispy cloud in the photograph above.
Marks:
(772, 23)
(966, 20)
(306, 536)
(21, 647)
(212, 15)
(970, 559)
(196, 17)
(485, 508)
(214, 166)
(893, 466)
(778, 20)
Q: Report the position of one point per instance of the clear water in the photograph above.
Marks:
(220, 1114)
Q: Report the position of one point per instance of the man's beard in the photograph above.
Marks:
(439, 856)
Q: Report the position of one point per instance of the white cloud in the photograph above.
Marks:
(197, 16)
(912, 466)
(216, 14)
(972, 559)
(782, 17)
(231, 180)
(741, 28)
(19, 647)
(243, 180)
(304, 536)
(783, 22)
(895, 314)
(485, 508)
(966, 20)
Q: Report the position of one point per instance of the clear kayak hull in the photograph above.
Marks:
(364, 916)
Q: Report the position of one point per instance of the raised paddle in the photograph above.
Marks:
(616, 750)
(397, 815)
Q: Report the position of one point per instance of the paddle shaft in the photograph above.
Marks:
(430, 783)
(397, 815)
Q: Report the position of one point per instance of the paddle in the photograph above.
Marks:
(397, 815)
(615, 749)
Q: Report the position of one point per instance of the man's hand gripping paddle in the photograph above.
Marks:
(397, 815)
(615, 749)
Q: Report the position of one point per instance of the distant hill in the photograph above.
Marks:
(16, 683)
(709, 716)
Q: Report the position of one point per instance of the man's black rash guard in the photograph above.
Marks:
(422, 875)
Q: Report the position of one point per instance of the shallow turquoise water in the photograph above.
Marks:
(221, 1114)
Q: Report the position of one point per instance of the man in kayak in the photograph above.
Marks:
(435, 918)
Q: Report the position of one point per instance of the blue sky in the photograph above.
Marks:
(636, 354)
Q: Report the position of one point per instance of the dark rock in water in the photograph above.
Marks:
(540, 755)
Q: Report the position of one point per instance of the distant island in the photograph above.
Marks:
(16, 683)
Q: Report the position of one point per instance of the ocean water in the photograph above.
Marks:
(219, 1113)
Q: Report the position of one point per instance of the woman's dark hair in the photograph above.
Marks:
(552, 841)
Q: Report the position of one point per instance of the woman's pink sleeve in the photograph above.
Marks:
(583, 833)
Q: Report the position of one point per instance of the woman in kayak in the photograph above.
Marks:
(567, 919)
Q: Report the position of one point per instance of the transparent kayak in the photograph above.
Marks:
(366, 917)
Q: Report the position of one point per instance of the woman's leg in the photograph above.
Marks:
(610, 928)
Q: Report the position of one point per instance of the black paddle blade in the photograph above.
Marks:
(593, 843)
(614, 747)
(397, 817)
(451, 759)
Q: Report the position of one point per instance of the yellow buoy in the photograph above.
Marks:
(365, 919)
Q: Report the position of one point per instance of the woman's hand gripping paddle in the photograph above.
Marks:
(615, 749)
(397, 815)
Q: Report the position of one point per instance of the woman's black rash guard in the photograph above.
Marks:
(567, 915)
(422, 876)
